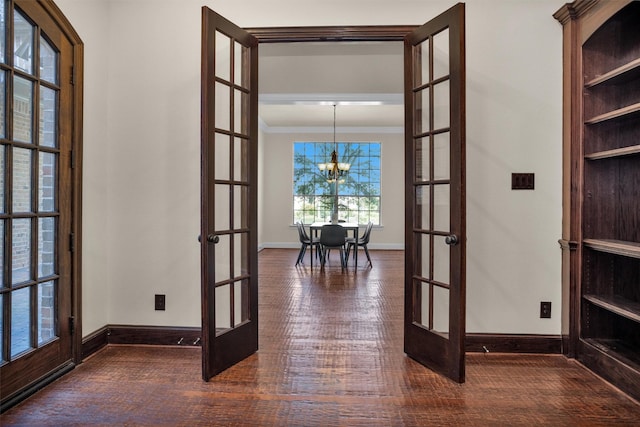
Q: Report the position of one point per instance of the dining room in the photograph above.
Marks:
(304, 100)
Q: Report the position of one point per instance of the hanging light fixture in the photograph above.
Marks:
(334, 170)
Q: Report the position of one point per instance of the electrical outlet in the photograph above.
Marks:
(160, 300)
(545, 309)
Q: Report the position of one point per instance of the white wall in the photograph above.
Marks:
(514, 124)
(90, 18)
(141, 139)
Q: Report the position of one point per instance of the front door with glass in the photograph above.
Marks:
(37, 193)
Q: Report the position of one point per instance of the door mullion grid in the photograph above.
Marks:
(422, 86)
(416, 283)
(8, 230)
(232, 150)
(35, 168)
(431, 181)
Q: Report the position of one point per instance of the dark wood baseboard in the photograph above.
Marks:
(513, 343)
(567, 348)
(169, 335)
(145, 335)
(622, 373)
(154, 335)
(95, 341)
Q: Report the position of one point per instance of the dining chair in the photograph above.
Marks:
(333, 236)
(305, 242)
(356, 242)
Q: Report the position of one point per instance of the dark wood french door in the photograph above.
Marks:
(40, 132)
(229, 194)
(435, 194)
(435, 186)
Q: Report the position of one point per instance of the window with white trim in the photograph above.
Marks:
(358, 190)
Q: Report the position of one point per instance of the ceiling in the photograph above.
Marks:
(300, 82)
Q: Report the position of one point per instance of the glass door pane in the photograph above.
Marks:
(23, 41)
(22, 109)
(20, 321)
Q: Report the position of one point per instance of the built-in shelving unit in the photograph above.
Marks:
(602, 187)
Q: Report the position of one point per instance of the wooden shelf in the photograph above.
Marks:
(628, 111)
(616, 247)
(618, 305)
(621, 74)
(618, 152)
(617, 349)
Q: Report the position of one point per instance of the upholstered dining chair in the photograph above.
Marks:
(333, 236)
(305, 242)
(363, 241)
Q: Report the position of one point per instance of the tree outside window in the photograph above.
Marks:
(358, 191)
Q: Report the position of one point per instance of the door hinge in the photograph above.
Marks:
(72, 324)
(73, 75)
(72, 242)
(73, 159)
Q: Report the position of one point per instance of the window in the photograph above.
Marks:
(358, 191)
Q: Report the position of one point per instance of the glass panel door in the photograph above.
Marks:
(229, 215)
(435, 219)
(36, 187)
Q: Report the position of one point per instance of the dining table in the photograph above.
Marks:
(315, 227)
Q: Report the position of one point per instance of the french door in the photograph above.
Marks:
(435, 187)
(40, 120)
(229, 245)
(435, 194)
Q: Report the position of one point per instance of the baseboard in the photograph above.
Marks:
(190, 336)
(95, 341)
(567, 348)
(146, 335)
(514, 343)
(154, 335)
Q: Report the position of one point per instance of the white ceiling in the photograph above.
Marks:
(300, 82)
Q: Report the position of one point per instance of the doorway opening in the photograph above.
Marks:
(434, 124)
(317, 95)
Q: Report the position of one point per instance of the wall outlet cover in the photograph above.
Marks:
(160, 302)
(545, 309)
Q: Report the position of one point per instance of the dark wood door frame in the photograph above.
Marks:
(331, 34)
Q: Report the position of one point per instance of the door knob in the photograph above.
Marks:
(211, 238)
(451, 240)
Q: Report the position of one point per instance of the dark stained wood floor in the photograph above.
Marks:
(330, 355)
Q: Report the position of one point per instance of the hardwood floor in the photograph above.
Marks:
(330, 355)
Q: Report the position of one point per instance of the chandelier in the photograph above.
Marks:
(334, 171)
